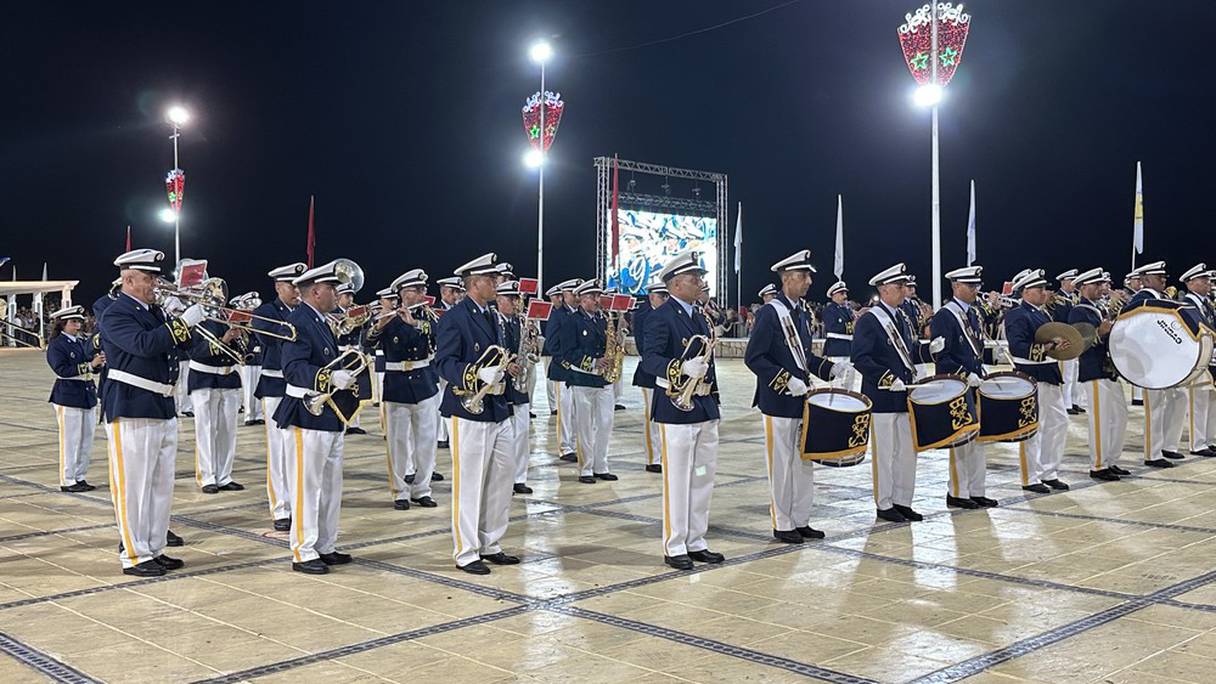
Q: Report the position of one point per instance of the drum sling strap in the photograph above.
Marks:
(792, 339)
(897, 340)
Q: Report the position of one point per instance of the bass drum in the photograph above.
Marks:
(835, 427)
(1158, 346)
(941, 410)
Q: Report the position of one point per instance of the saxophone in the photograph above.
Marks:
(614, 349)
(528, 352)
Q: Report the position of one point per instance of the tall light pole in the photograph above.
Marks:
(177, 116)
(540, 52)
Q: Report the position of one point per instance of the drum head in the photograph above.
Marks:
(1007, 386)
(839, 400)
(937, 390)
(1154, 348)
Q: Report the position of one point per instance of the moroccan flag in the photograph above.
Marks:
(128, 249)
(312, 235)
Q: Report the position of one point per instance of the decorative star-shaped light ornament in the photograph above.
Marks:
(920, 61)
(949, 57)
(916, 41)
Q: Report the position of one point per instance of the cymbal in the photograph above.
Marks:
(1050, 331)
(1089, 334)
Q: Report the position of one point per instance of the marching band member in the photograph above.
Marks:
(512, 322)
(548, 330)
(838, 321)
(451, 290)
(314, 469)
(656, 297)
(1131, 285)
(99, 308)
(173, 306)
(779, 354)
(567, 439)
(958, 324)
(913, 309)
(1107, 407)
(1061, 310)
(618, 387)
(1165, 410)
(388, 302)
(215, 394)
(272, 387)
(688, 435)
(583, 345)
(140, 343)
(886, 353)
(410, 400)
(353, 340)
(767, 293)
(1198, 282)
(482, 448)
(251, 367)
(73, 359)
(1039, 456)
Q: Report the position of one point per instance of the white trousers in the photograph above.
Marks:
(1069, 370)
(968, 470)
(482, 468)
(249, 383)
(650, 429)
(181, 390)
(1203, 416)
(314, 474)
(444, 432)
(618, 388)
(279, 450)
(533, 371)
(593, 410)
(567, 432)
(214, 434)
(551, 394)
(1107, 414)
(378, 386)
(1039, 456)
(522, 440)
(76, 426)
(791, 481)
(142, 456)
(410, 431)
(893, 465)
(690, 459)
(1164, 416)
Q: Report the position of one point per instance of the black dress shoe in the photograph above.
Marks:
(1072, 411)
(1056, 484)
(606, 476)
(475, 568)
(531, 416)
(654, 468)
(1037, 488)
(984, 501)
(706, 556)
(959, 502)
(569, 458)
(442, 444)
(409, 479)
(521, 488)
(891, 515)
(1172, 455)
(436, 477)
(587, 479)
(809, 532)
(1119, 471)
(75, 488)
(618, 407)
(232, 487)
(425, 502)
(88, 487)
(908, 513)
(173, 540)
(315, 566)
(553, 413)
(336, 558)
(355, 431)
(401, 504)
(1137, 402)
(169, 563)
(149, 568)
(1159, 463)
(788, 536)
(1105, 474)
(188, 414)
(501, 558)
(282, 524)
(1078, 409)
(1206, 451)
(211, 489)
(678, 562)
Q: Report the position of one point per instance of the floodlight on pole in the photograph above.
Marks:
(178, 116)
(541, 51)
(928, 95)
(168, 215)
(533, 159)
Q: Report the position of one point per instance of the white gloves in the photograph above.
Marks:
(796, 387)
(490, 376)
(938, 344)
(342, 379)
(973, 380)
(695, 368)
(839, 368)
(898, 386)
(193, 315)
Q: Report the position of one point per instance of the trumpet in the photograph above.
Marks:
(211, 295)
(350, 320)
(682, 394)
(493, 357)
(351, 360)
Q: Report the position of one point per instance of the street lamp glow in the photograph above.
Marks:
(533, 159)
(177, 115)
(928, 95)
(541, 51)
(168, 215)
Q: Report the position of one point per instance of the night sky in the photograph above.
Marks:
(404, 120)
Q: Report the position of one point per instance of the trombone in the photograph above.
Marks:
(210, 294)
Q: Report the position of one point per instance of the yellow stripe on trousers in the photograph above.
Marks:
(1148, 426)
(874, 461)
(1022, 462)
(768, 446)
(666, 488)
(1096, 408)
(388, 448)
(62, 446)
(118, 479)
(455, 444)
(953, 475)
(274, 503)
(646, 425)
(298, 511)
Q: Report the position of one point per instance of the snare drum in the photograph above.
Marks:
(1158, 347)
(835, 427)
(942, 413)
(1008, 407)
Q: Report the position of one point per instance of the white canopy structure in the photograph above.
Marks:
(12, 289)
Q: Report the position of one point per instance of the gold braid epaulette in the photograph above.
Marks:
(83, 368)
(178, 330)
(886, 380)
(470, 380)
(323, 380)
(780, 381)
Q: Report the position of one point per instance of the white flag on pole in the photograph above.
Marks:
(1138, 217)
(739, 238)
(38, 295)
(838, 263)
(971, 227)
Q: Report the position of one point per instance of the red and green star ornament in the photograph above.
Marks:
(553, 108)
(915, 38)
(175, 187)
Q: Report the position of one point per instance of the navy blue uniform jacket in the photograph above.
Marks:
(770, 358)
(461, 338)
(303, 359)
(402, 342)
(1021, 322)
(958, 357)
(1092, 364)
(271, 348)
(552, 346)
(583, 339)
(69, 358)
(837, 318)
(667, 329)
(143, 342)
(640, 377)
(880, 364)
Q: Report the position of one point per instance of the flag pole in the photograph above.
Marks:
(739, 257)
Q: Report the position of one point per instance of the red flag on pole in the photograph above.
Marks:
(312, 236)
(128, 249)
(616, 224)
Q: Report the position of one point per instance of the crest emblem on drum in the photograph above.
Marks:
(1028, 412)
(960, 414)
(861, 430)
